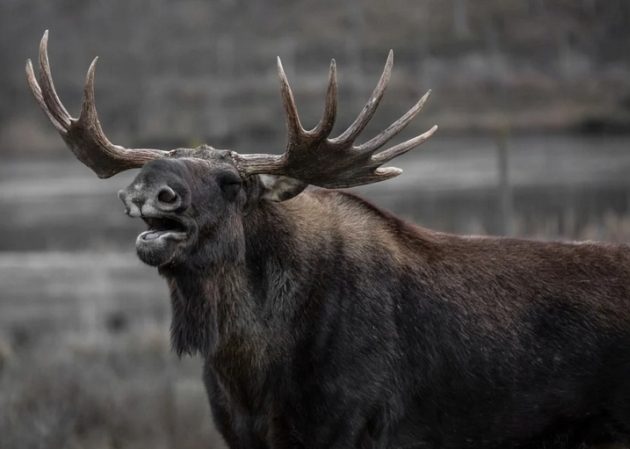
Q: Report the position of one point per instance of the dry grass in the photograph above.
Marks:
(125, 392)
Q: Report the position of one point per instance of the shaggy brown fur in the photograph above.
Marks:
(327, 322)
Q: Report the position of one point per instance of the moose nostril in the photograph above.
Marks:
(167, 195)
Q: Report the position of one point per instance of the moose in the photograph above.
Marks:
(326, 322)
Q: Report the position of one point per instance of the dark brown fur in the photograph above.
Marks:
(326, 322)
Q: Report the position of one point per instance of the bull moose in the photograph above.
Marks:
(326, 322)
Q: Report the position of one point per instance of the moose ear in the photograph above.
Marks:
(280, 188)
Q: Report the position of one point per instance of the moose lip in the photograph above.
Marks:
(163, 228)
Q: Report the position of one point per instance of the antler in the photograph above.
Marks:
(314, 158)
(311, 156)
(83, 135)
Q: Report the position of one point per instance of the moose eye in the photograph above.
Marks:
(230, 184)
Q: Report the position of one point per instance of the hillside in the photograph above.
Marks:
(181, 73)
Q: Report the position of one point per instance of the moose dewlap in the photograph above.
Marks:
(325, 322)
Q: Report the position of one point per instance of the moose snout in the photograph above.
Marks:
(143, 200)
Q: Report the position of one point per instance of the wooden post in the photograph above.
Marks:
(506, 205)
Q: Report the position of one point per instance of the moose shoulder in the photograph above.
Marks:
(325, 322)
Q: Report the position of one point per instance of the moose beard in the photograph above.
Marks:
(200, 288)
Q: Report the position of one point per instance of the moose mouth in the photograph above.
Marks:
(163, 241)
(163, 228)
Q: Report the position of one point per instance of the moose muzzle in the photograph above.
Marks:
(158, 205)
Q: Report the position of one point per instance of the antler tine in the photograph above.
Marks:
(84, 136)
(402, 148)
(327, 122)
(392, 130)
(370, 107)
(292, 118)
(51, 98)
(89, 115)
(37, 93)
(336, 163)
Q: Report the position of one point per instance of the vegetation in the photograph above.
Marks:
(181, 73)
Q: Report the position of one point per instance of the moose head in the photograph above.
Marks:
(194, 197)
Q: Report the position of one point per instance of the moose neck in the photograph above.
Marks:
(243, 312)
(224, 301)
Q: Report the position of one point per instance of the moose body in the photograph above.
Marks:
(325, 322)
(343, 326)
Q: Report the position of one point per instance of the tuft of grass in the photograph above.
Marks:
(123, 394)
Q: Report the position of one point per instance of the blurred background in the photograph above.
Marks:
(533, 102)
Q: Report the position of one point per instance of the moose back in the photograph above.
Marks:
(325, 322)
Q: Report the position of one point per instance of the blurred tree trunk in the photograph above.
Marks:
(506, 205)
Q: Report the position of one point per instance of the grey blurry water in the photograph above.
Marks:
(451, 184)
(65, 241)
(64, 236)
